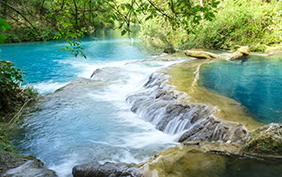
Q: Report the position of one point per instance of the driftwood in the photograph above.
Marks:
(242, 52)
(201, 54)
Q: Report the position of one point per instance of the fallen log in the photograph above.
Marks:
(242, 52)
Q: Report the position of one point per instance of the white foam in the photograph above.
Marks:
(48, 86)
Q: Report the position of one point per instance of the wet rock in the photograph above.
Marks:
(266, 140)
(30, 168)
(167, 109)
(105, 170)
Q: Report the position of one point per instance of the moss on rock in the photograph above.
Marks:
(266, 140)
(198, 158)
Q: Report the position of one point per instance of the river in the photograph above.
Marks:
(90, 120)
(86, 122)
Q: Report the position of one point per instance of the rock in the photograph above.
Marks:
(266, 140)
(274, 50)
(30, 168)
(105, 170)
(193, 159)
(242, 52)
(201, 54)
(207, 159)
(164, 107)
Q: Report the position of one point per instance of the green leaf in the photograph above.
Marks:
(3, 36)
(6, 25)
(128, 6)
(108, 18)
(123, 32)
(2, 28)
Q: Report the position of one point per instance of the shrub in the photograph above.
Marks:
(12, 96)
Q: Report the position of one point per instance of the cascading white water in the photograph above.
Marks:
(158, 103)
(88, 119)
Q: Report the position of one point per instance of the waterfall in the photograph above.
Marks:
(169, 111)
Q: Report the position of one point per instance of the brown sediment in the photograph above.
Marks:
(185, 76)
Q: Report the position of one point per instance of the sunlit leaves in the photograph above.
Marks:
(74, 47)
(178, 13)
(3, 26)
(9, 75)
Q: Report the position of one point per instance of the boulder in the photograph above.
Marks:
(30, 168)
(265, 141)
(108, 169)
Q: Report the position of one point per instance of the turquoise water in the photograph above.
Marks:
(90, 120)
(255, 82)
(48, 69)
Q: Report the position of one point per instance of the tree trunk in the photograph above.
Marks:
(202, 13)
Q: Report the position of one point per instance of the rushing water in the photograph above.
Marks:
(90, 121)
(255, 82)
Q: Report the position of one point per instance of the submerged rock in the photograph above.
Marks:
(105, 170)
(30, 168)
(266, 140)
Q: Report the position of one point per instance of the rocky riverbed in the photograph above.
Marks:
(218, 136)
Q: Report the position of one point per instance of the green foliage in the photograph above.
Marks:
(72, 19)
(26, 34)
(12, 96)
(74, 47)
(9, 76)
(240, 23)
(5, 144)
(3, 26)
(255, 23)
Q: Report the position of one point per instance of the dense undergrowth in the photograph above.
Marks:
(255, 23)
(13, 98)
(38, 20)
